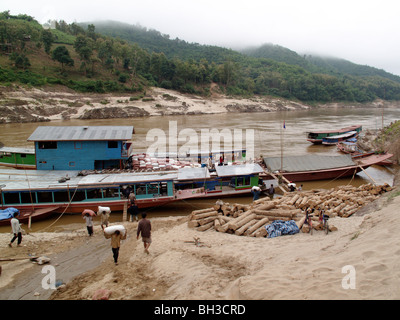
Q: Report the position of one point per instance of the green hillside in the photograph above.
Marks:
(115, 57)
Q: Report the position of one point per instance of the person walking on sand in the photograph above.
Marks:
(271, 191)
(104, 218)
(116, 238)
(133, 210)
(89, 223)
(16, 229)
(144, 228)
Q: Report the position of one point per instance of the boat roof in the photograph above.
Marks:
(343, 135)
(307, 162)
(346, 129)
(17, 150)
(81, 133)
(238, 170)
(49, 179)
(189, 173)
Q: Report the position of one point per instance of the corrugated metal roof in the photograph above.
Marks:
(307, 162)
(193, 173)
(240, 169)
(48, 179)
(81, 133)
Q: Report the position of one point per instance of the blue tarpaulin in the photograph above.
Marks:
(8, 213)
(279, 228)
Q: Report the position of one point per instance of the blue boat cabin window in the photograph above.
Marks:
(79, 195)
(27, 197)
(44, 197)
(71, 163)
(140, 189)
(112, 144)
(47, 144)
(94, 194)
(61, 196)
(10, 198)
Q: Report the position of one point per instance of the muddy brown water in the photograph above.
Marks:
(270, 139)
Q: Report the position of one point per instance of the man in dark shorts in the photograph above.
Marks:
(144, 228)
(133, 210)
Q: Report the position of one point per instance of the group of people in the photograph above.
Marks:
(256, 191)
(143, 230)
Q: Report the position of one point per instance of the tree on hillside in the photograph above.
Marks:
(61, 54)
(47, 38)
(21, 61)
(84, 47)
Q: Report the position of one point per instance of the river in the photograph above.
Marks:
(269, 139)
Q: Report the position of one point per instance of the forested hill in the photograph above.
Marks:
(315, 63)
(111, 57)
(154, 41)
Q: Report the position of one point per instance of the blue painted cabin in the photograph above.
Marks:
(82, 147)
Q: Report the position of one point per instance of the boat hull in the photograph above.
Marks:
(37, 214)
(77, 208)
(328, 174)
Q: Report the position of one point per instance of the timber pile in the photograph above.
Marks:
(250, 220)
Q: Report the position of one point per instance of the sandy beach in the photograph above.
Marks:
(18, 104)
(226, 266)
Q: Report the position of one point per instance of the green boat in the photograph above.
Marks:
(316, 137)
(19, 158)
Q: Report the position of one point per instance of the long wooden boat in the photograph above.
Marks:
(31, 214)
(333, 140)
(317, 136)
(70, 192)
(351, 147)
(18, 158)
(316, 167)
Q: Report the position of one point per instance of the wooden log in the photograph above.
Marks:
(350, 212)
(236, 220)
(195, 212)
(225, 219)
(246, 226)
(301, 222)
(217, 223)
(193, 223)
(267, 206)
(304, 201)
(206, 226)
(262, 232)
(261, 201)
(234, 225)
(203, 215)
(294, 199)
(223, 227)
(277, 213)
(207, 220)
(256, 226)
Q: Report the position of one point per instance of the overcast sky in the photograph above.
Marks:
(362, 31)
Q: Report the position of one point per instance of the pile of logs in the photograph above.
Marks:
(250, 220)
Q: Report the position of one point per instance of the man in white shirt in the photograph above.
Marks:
(89, 223)
(16, 229)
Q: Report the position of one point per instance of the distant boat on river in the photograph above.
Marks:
(317, 137)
